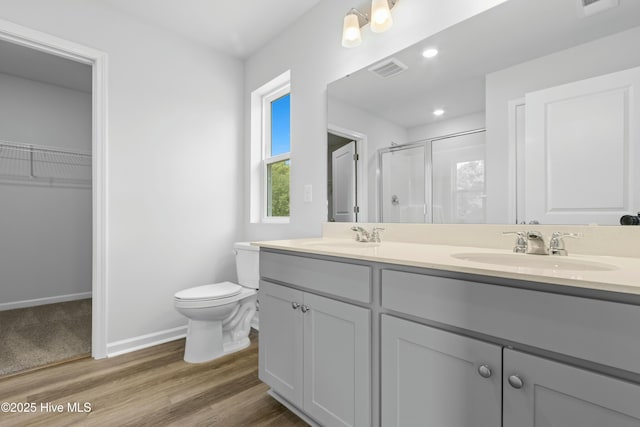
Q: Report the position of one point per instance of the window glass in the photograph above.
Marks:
(278, 189)
(281, 125)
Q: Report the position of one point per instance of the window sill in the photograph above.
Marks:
(275, 220)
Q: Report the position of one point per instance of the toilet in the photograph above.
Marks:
(221, 314)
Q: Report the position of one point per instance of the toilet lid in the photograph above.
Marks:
(209, 292)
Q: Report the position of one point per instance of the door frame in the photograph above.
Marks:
(362, 183)
(43, 42)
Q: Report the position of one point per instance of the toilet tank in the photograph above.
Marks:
(247, 264)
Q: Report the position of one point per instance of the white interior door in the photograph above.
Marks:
(344, 183)
(582, 150)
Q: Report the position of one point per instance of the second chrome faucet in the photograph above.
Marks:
(364, 236)
(532, 242)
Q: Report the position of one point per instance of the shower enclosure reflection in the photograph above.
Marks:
(441, 180)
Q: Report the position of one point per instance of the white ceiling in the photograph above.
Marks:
(237, 27)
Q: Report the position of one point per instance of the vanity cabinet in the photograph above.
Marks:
(447, 387)
(315, 352)
(435, 378)
(345, 342)
(542, 392)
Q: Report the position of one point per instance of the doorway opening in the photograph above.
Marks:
(64, 166)
(346, 176)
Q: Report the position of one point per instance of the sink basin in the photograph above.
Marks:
(346, 244)
(535, 261)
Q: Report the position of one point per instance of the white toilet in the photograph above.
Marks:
(221, 315)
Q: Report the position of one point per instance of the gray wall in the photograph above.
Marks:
(46, 230)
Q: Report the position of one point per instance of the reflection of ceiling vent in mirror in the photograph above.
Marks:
(590, 7)
(388, 68)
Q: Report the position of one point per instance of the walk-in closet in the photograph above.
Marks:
(45, 208)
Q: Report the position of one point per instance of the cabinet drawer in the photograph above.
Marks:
(599, 331)
(331, 277)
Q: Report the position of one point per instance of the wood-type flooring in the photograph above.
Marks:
(150, 387)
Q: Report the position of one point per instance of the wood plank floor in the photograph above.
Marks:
(150, 387)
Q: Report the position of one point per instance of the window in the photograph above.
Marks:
(270, 151)
(470, 191)
(277, 162)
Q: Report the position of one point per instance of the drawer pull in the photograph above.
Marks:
(484, 371)
(515, 381)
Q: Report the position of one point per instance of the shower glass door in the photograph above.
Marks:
(403, 177)
(458, 179)
(440, 181)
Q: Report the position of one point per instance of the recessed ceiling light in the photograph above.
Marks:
(438, 112)
(430, 53)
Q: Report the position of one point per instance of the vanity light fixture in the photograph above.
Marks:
(351, 36)
(438, 112)
(379, 16)
(430, 53)
(381, 19)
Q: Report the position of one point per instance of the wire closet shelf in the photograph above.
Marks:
(36, 164)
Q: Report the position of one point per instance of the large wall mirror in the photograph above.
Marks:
(539, 121)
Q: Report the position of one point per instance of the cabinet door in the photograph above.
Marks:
(280, 343)
(435, 378)
(337, 368)
(558, 395)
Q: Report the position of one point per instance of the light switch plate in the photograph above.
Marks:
(308, 193)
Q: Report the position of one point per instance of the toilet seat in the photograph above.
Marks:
(211, 292)
(213, 295)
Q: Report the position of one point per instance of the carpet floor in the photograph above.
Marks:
(37, 336)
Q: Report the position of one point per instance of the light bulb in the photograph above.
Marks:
(430, 53)
(438, 112)
(351, 31)
(380, 16)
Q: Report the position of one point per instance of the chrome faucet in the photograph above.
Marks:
(520, 246)
(365, 236)
(556, 244)
(532, 242)
(362, 235)
(535, 243)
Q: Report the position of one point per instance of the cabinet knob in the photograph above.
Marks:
(515, 381)
(304, 308)
(484, 371)
(295, 305)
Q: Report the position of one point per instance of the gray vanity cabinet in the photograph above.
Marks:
(281, 330)
(541, 392)
(435, 378)
(315, 352)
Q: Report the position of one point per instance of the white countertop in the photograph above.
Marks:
(624, 276)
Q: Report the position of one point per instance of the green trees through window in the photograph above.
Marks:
(278, 185)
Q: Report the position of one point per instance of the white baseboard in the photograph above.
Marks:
(143, 341)
(42, 301)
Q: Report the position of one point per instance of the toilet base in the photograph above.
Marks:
(204, 341)
(210, 339)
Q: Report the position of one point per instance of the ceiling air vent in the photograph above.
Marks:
(388, 68)
(590, 7)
